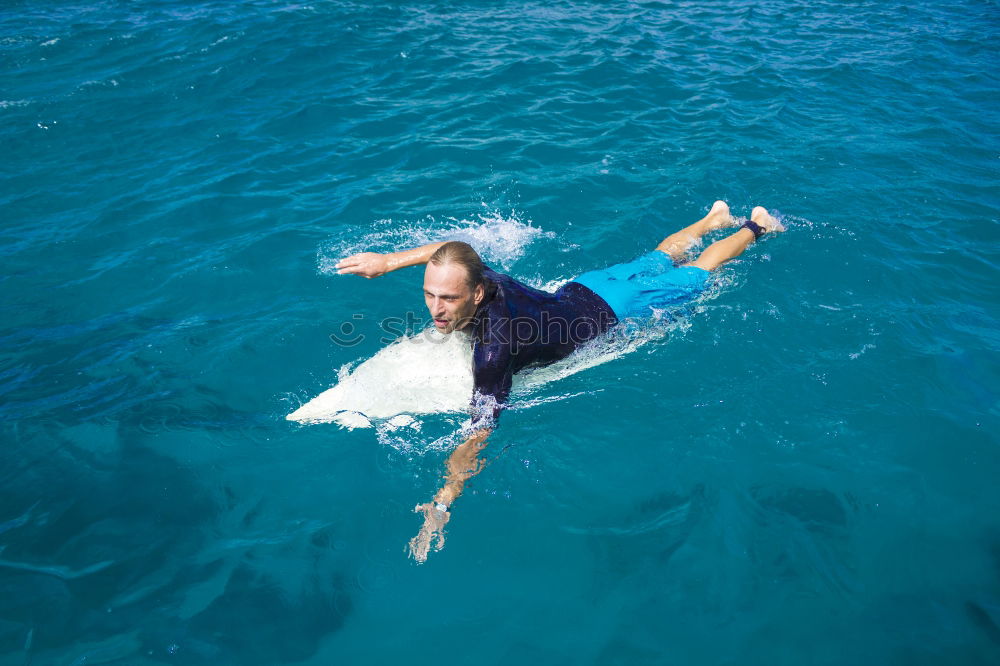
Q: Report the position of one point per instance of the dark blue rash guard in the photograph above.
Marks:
(517, 326)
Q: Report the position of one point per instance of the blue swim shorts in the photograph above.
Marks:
(651, 281)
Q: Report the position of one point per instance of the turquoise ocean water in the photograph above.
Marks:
(800, 468)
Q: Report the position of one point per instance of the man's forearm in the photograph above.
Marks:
(463, 464)
(414, 257)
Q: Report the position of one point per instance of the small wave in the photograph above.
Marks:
(544, 399)
(500, 239)
(110, 83)
(220, 40)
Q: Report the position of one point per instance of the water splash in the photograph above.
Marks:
(500, 239)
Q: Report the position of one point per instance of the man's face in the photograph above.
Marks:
(448, 297)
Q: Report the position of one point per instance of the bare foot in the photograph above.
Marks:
(719, 217)
(765, 220)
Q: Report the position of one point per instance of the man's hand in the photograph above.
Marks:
(374, 264)
(366, 264)
(434, 522)
(463, 463)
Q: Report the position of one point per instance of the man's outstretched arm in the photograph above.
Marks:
(463, 464)
(492, 376)
(374, 264)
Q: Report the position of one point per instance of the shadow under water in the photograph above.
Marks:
(110, 550)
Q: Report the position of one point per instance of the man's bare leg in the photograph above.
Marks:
(732, 246)
(677, 244)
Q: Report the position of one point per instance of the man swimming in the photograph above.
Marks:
(513, 325)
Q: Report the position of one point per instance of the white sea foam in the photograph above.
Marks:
(501, 239)
(110, 83)
(545, 285)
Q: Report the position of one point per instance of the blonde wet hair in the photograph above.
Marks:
(461, 253)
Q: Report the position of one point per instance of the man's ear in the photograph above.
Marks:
(479, 294)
